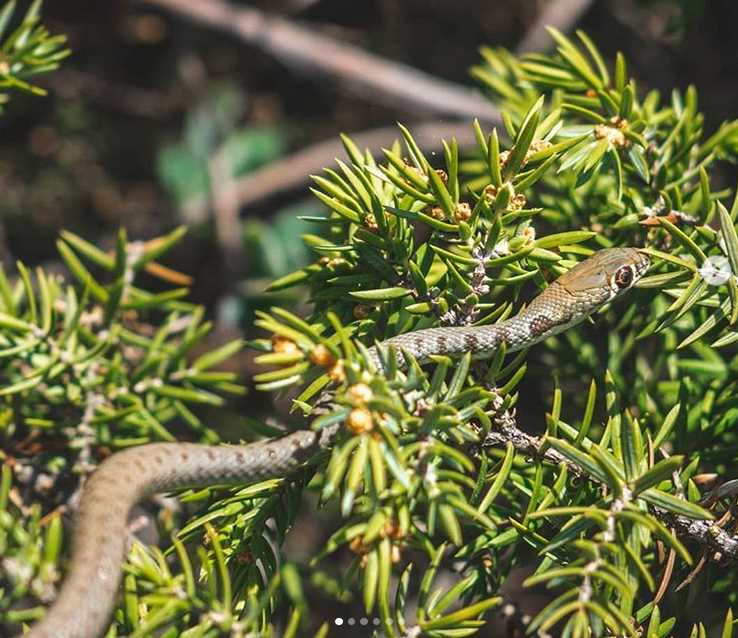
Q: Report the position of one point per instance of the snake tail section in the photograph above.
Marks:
(88, 595)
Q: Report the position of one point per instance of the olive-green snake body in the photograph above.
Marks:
(87, 597)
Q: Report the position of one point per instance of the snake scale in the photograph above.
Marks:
(87, 598)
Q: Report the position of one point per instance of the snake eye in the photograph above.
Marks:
(624, 277)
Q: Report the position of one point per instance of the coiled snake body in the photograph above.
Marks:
(87, 598)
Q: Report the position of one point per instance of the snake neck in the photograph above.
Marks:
(480, 341)
(528, 327)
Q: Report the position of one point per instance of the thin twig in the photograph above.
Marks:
(374, 77)
(293, 172)
(560, 14)
(706, 534)
(226, 206)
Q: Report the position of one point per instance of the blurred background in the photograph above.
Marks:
(213, 114)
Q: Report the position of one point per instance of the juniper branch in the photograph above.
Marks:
(705, 534)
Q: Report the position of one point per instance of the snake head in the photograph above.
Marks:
(606, 274)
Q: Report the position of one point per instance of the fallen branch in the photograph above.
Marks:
(560, 14)
(376, 78)
(293, 172)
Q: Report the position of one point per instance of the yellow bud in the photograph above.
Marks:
(283, 345)
(463, 212)
(360, 421)
(360, 393)
(321, 356)
(337, 373)
(370, 221)
(357, 545)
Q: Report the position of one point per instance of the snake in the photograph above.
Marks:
(88, 594)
